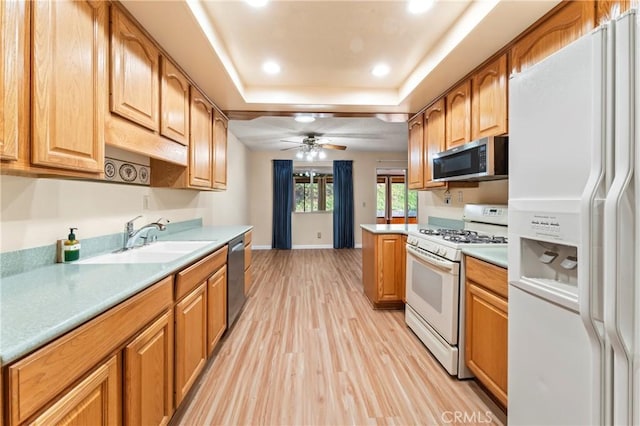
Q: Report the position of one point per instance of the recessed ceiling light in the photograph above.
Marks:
(304, 119)
(419, 6)
(257, 3)
(380, 70)
(271, 67)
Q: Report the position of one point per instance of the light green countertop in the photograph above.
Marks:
(394, 228)
(44, 303)
(494, 255)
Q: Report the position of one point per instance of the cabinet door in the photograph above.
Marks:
(217, 307)
(190, 340)
(69, 84)
(174, 103)
(569, 23)
(489, 100)
(434, 131)
(148, 377)
(135, 85)
(93, 401)
(390, 267)
(200, 155)
(458, 115)
(220, 152)
(416, 153)
(14, 78)
(609, 9)
(486, 339)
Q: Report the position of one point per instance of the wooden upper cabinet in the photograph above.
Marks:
(608, 9)
(14, 77)
(416, 153)
(174, 103)
(434, 139)
(135, 85)
(220, 125)
(458, 115)
(489, 100)
(201, 132)
(68, 84)
(567, 24)
(93, 401)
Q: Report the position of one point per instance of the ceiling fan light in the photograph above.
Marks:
(322, 155)
(305, 118)
(299, 154)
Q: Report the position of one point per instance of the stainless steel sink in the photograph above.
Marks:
(159, 252)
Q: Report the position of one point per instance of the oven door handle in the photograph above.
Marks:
(431, 259)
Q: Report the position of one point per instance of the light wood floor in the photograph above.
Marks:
(308, 349)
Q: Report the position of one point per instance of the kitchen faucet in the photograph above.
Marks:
(132, 237)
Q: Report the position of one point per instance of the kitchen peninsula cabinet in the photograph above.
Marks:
(567, 24)
(486, 325)
(489, 99)
(458, 115)
(135, 67)
(383, 269)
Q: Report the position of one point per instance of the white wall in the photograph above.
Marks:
(431, 203)
(36, 212)
(305, 226)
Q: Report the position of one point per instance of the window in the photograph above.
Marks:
(390, 199)
(313, 189)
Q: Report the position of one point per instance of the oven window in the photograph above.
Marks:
(427, 284)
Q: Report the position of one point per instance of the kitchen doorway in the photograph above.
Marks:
(395, 203)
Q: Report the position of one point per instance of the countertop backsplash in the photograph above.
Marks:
(16, 262)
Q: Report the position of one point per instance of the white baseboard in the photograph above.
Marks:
(312, 246)
(302, 247)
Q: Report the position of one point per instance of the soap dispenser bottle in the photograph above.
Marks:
(71, 247)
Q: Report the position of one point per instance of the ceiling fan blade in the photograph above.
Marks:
(284, 140)
(332, 146)
(287, 149)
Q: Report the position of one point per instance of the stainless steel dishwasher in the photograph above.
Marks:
(235, 279)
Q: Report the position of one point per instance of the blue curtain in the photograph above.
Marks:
(282, 203)
(343, 204)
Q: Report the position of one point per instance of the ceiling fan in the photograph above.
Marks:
(313, 142)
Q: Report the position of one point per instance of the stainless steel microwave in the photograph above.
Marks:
(483, 159)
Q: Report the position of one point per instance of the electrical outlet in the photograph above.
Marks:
(319, 235)
(460, 196)
(145, 202)
(447, 197)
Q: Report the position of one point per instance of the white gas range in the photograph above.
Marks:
(435, 296)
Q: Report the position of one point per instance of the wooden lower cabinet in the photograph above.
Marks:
(383, 269)
(486, 326)
(94, 401)
(148, 375)
(190, 340)
(216, 307)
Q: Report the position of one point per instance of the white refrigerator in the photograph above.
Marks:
(574, 233)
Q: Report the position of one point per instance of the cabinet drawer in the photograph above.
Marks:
(38, 378)
(490, 276)
(189, 278)
(247, 238)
